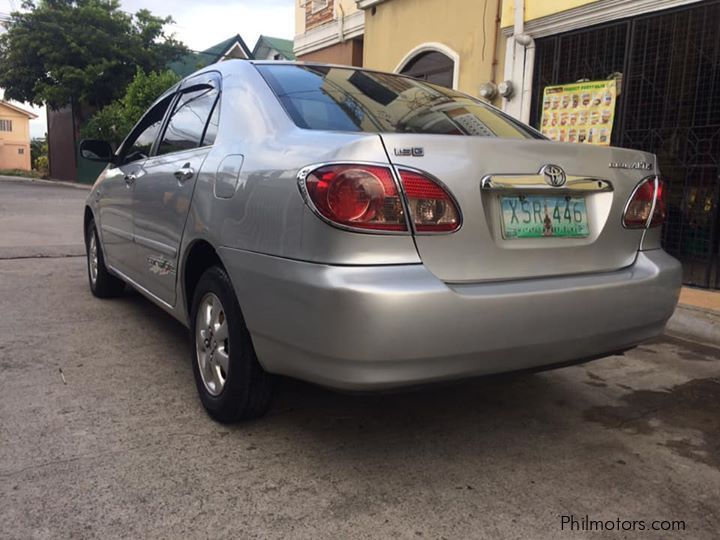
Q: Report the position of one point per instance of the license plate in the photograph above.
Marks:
(543, 216)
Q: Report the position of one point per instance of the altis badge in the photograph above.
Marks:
(639, 165)
(415, 151)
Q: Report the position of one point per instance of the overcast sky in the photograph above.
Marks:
(202, 24)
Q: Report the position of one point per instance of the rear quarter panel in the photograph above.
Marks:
(266, 214)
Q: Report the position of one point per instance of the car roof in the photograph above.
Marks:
(231, 65)
(302, 63)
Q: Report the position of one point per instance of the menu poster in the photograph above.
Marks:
(579, 112)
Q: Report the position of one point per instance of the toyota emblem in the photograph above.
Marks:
(554, 175)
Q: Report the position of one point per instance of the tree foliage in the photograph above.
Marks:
(39, 155)
(114, 122)
(83, 51)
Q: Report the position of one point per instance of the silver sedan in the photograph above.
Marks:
(365, 230)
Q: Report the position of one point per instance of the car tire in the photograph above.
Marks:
(102, 283)
(232, 384)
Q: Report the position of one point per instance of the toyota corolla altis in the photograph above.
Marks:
(365, 230)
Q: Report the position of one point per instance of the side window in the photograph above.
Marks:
(140, 142)
(187, 124)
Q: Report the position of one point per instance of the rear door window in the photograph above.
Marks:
(346, 99)
(189, 119)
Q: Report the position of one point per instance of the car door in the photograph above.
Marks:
(162, 195)
(115, 195)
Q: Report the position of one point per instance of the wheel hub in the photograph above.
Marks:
(211, 336)
(93, 258)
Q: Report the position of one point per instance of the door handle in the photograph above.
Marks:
(185, 173)
(130, 179)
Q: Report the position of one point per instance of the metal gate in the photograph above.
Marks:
(668, 67)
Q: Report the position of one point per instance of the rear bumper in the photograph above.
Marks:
(375, 327)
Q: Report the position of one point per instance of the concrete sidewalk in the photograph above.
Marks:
(700, 299)
(697, 317)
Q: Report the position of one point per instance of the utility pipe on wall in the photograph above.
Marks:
(493, 69)
(341, 23)
(519, 17)
(523, 63)
(526, 96)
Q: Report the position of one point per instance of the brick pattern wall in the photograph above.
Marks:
(348, 53)
(322, 16)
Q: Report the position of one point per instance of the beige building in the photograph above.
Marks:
(329, 31)
(453, 43)
(14, 137)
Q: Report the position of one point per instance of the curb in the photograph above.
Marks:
(695, 324)
(60, 183)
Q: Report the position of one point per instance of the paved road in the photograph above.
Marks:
(123, 449)
(40, 220)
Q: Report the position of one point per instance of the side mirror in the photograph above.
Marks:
(96, 150)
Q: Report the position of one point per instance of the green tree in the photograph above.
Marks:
(113, 123)
(39, 154)
(80, 51)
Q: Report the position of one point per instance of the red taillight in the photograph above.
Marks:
(357, 196)
(660, 212)
(430, 206)
(366, 197)
(647, 205)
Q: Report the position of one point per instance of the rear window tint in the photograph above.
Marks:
(346, 99)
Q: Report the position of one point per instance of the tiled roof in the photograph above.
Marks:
(193, 61)
(282, 46)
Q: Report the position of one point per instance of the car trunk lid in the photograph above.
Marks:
(482, 250)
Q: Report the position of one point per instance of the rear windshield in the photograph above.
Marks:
(346, 99)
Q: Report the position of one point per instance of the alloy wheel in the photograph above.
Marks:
(211, 344)
(93, 258)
